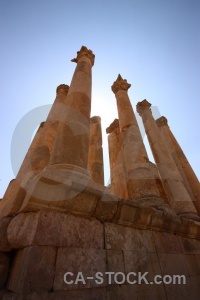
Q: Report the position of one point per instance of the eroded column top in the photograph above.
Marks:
(95, 119)
(162, 121)
(62, 89)
(84, 52)
(142, 105)
(120, 84)
(113, 126)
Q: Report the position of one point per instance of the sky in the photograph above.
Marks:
(154, 44)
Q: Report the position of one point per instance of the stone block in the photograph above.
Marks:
(173, 264)
(190, 246)
(33, 269)
(140, 292)
(74, 260)
(4, 244)
(125, 238)
(115, 262)
(85, 294)
(54, 228)
(142, 262)
(62, 190)
(190, 290)
(193, 263)
(4, 268)
(106, 208)
(166, 242)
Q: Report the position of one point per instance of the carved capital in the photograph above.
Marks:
(84, 52)
(113, 126)
(143, 105)
(162, 121)
(62, 89)
(95, 119)
(120, 84)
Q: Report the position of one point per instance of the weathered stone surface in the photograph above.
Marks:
(190, 290)
(173, 264)
(95, 156)
(88, 261)
(176, 192)
(85, 294)
(140, 292)
(4, 244)
(53, 228)
(33, 269)
(115, 262)
(193, 263)
(136, 261)
(63, 188)
(4, 268)
(125, 238)
(167, 243)
(106, 207)
(190, 246)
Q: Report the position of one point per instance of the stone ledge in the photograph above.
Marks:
(90, 200)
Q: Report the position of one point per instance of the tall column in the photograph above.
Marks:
(71, 147)
(189, 177)
(95, 158)
(117, 168)
(174, 187)
(37, 157)
(141, 181)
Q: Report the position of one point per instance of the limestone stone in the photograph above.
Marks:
(52, 228)
(95, 157)
(4, 268)
(62, 189)
(193, 264)
(173, 264)
(177, 194)
(4, 244)
(33, 269)
(140, 178)
(189, 177)
(115, 262)
(74, 260)
(190, 246)
(73, 133)
(166, 243)
(117, 167)
(125, 238)
(141, 261)
(85, 294)
(139, 291)
(190, 290)
(106, 207)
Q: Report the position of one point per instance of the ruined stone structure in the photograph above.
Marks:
(57, 216)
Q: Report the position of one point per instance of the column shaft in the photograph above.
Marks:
(72, 142)
(117, 167)
(140, 178)
(174, 187)
(37, 157)
(95, 158)
(189, 177)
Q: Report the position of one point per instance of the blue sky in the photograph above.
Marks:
(154, 44)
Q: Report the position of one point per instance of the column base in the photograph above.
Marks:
(62, 187)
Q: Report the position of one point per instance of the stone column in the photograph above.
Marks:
(95, 158)
(141, 181)
(177, 194)
(117, 168)
(37, 157)
(71, 147)
(189, 177)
